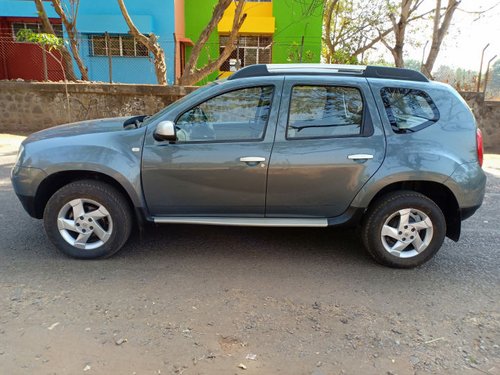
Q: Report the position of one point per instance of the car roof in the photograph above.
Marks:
(366, 71)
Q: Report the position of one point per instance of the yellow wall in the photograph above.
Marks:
(259, 21)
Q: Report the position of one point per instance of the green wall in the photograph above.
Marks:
(293, 19)
(197, 15)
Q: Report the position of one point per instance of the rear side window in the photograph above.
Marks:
(325, 111)
(409, 110)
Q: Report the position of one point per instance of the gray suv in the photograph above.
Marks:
(273, 145)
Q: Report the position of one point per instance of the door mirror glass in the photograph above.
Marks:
(165, 131)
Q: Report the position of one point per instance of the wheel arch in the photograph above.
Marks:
(438, 193)
(57, 180)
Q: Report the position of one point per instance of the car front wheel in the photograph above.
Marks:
(404, 229)
(88, 219)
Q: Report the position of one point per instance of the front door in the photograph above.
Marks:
(329, 142)
(218, 165)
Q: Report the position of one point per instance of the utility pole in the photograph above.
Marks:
(481, 69)
(487, 73)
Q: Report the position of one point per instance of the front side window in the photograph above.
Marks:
(239, 115)
(409, 110)
(325, 111)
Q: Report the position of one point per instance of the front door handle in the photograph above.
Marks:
(360, 157)
(252, 159)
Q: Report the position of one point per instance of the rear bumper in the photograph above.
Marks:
(468, 184)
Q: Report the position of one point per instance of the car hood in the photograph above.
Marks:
(80, 128)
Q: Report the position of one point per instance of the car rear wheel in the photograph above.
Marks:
(88, 219)
(404, 229)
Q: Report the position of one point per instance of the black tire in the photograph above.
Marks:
(102, 193)
(383, 209)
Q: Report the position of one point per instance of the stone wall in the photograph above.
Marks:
(488, 118)
(26, 107)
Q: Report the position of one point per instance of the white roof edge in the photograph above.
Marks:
(327, 67)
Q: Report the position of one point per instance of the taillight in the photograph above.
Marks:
(479, 143)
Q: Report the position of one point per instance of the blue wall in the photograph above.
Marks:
(99, 16)
(150, 16)
(22, 8)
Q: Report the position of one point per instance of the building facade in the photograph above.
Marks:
(130, 62)
(17, 60)
(104, 43)
(275, 31)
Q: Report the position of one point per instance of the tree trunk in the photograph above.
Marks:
(193, 75)
(330, 8)
(151, 43)
(70, 27)
(369, 45)
(440, 30)
(48, 29)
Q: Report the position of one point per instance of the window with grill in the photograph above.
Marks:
(249, 50)
(118, 45)
(35, 27)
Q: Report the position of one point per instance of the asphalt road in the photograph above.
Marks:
(200, 300)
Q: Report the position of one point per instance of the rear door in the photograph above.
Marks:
(329, 142)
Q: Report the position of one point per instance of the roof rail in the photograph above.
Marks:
(262, 70)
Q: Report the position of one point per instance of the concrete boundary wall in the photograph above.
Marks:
(26, 107)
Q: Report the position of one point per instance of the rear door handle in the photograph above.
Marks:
(360, 157)
(252, 159)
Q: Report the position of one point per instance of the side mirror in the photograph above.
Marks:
(165, 131)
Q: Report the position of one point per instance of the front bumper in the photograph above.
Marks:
(25, 181)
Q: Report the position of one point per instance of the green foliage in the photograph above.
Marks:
(382, 62)
(293, 54)
(412, 64)
(343, 56)
(45, 40)
(494, 81)
(354, 24)
(461, 79)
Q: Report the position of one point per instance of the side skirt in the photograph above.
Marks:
(243, 221)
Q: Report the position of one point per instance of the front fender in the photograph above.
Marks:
(115, 154)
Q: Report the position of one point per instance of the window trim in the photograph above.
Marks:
(57, 26)
(428, 99)
(229, 140)
(243, 49)
(366, 128)
(120, 36)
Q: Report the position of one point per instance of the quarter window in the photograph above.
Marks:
(239, 115)
(409, 110)
(325, 111)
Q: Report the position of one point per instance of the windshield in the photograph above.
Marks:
(193, 94)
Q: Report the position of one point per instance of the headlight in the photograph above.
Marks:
(19, 154)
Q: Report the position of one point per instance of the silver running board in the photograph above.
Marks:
(244, 221)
